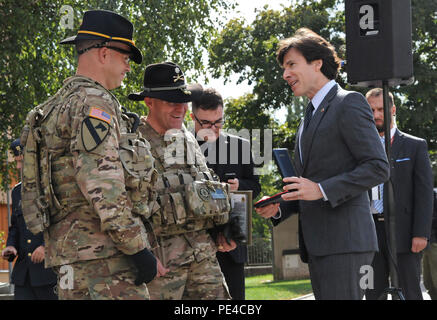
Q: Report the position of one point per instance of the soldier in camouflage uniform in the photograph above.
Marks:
(94, 241)
(191, 200)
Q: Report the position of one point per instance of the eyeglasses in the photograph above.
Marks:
(102, 45)
(122, 51)
(208, 124)
(128, 52)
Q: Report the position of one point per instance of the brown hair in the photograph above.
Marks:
(313, 47)
(376, 92)
(210, 99)
(83, 44)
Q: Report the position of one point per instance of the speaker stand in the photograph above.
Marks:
(389, 202)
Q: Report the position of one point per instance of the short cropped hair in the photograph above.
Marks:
(313, 47)
(210, 99)
(83, 44)
(376, 92)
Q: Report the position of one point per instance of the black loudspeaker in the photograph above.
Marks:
(378, 42)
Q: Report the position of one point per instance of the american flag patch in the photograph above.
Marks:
(101, 115)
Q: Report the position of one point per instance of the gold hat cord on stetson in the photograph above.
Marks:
(106, 36)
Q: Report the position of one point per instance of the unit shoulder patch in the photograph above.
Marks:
(94, 132)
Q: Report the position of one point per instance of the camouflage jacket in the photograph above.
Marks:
(82, 135)
(185, 185)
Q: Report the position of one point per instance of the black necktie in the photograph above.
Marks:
(308, 115)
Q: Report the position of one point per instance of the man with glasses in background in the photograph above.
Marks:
(231, 159)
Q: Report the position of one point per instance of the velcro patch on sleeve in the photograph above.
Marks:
(100, 114)
(94, 131)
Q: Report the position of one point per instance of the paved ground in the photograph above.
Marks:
(425, 295)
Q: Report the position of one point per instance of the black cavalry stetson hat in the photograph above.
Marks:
(166, 81)
(106, 25)
(16, 147)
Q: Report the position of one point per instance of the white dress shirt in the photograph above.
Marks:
(316, 101)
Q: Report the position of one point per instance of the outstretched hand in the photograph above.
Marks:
(269, 210)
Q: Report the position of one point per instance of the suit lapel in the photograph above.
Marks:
(307, 139)
(296, 159)
(396, 145)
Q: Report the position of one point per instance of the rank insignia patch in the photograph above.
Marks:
(94, 131)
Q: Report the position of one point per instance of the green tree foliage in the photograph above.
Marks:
(33, 65)
(417, 110)
(250, 50)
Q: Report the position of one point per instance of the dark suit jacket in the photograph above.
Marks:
(233, 154)
(25, 242)
(411, 176)
(342, 151)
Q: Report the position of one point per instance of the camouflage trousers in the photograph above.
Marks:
(194, 270)
(102, 279)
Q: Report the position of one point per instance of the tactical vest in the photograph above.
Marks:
(190, 196)
(49, 192)
(138, 163)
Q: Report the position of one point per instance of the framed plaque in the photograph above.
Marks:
(242, 206)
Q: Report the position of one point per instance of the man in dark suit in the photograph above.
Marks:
(226, 154)
(411, 176)
(337, 158)
(32, 281)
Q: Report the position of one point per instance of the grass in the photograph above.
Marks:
(264, 288)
